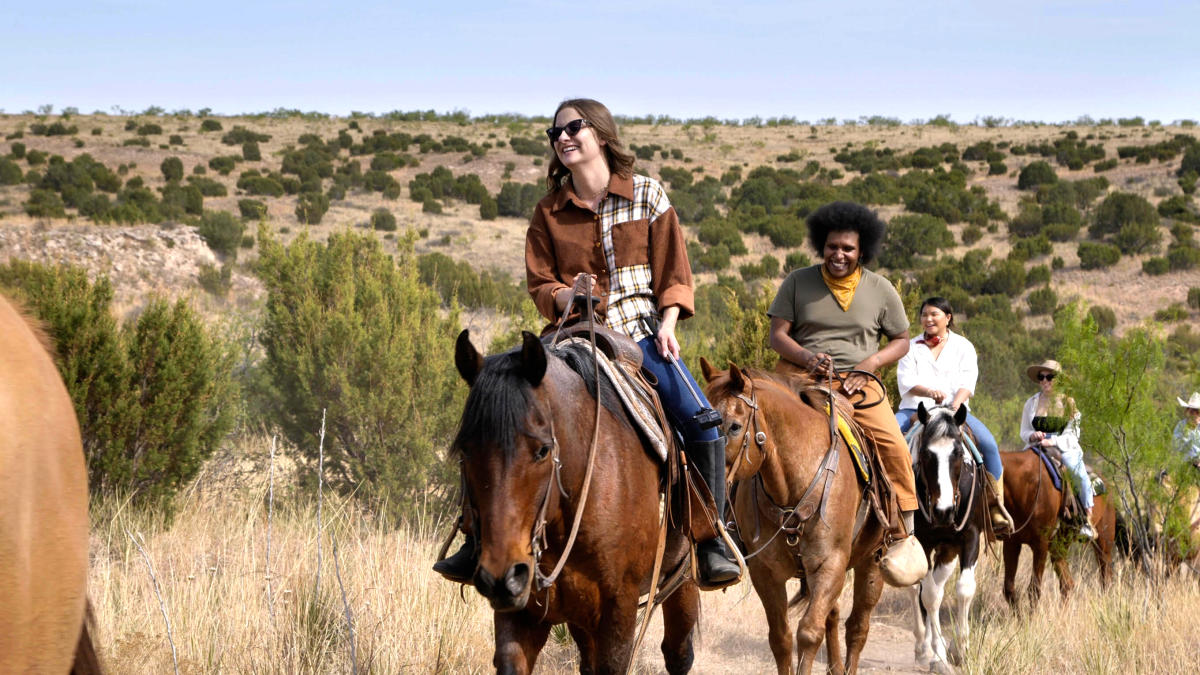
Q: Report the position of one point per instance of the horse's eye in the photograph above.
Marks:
(543, 451)
(734, 427)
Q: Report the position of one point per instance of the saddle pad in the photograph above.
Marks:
(1053, 470)
(914, 433)
(856, 451)
(633, 398)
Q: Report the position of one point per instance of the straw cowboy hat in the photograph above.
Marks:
(1193, 402)
(1049, 364)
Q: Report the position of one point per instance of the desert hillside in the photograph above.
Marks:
(136, 220)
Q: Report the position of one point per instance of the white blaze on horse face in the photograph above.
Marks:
(942, 449)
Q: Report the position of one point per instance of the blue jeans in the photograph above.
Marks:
(1073, 460)
(676, 400)
(983, 439)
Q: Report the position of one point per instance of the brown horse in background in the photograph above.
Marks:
(1034, 503)
(43, 510)
(524, 443)
(776, 445)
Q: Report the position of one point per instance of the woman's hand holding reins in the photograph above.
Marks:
(665, 338)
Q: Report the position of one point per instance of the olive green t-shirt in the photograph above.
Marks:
(820, 325)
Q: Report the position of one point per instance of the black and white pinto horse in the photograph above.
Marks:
(949, 524)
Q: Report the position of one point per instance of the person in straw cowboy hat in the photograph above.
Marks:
(1186, 439)
(1050, 420)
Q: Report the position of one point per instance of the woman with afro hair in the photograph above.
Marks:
(831, 317)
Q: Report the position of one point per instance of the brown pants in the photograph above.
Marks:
(879, 423)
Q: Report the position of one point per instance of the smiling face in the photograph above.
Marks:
(1192, 415)
(934, 320)
(841, 253)
(1045, 380)
(583, 148)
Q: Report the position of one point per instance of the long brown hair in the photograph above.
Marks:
(620, 160)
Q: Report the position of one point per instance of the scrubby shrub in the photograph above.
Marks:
(216, 281)
(1173, 312)
(711, 259)
(45, 204)
(1187, 182)
(239, 135)
(222, 164)
(140, 141)
(1156, 266)
(518, 199)
(250, 151)
(1057, 263)
(208, 187)
(1006, 278)
(1120, 209)
(1093, 256)
(1105, 318)
(713, 231)
(431, 206)
(153, 397)
(222, 232)
(1193, 297)
(796, 260)
(149, 129)
(1184, 256)
(172, 168)
(1042, 301)
(488, 208)
(351, 331)
(997, 168)
(10, 173)
(528, 146)
(766, 268)
(910, 236)
(35, 157)
(175, 139)
(311, 207)
(252, 209)
(383, 220)
(18, 150)
(1035, 174)
(210, 125)
(1037, 276)
(180, 199)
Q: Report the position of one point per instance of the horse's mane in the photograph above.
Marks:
(941, 424)
(40, 331)
(499, 400)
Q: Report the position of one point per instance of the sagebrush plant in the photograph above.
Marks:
(153, 397)
(352, 331)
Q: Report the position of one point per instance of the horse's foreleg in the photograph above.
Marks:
(587, 649)
(680, 613)
(1066, 582)
(833, 642)
(519, 640)
(932, 592)
(965, 590)
(614, 639)
(771, 588)
(914, 593)
(1012, 557)
(868, 585)
(1035, 573)
(824, 585)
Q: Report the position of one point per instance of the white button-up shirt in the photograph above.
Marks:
(957, 367)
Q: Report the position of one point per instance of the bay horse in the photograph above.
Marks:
(43, 510)
(524, 443)
(951, 520)
(1034, 503)
(778, 446)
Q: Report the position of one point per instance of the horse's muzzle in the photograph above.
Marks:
(508, 594)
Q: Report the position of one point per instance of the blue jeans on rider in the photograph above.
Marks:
(983, 439)
(1073, 460)
(676, 400)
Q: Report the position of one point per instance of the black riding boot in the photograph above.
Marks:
(716, 570)
(460, 567)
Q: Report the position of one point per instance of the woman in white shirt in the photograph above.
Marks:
(941, 368)
(1050, 420)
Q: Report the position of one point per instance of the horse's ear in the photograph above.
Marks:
(707, 369)
(533, 358)
(468, 361)
(960, 415)
(737, 382)
(922, 413)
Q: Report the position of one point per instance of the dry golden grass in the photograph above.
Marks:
(212, 569)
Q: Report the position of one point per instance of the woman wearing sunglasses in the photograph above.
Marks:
(615, 232)
(1050, 420)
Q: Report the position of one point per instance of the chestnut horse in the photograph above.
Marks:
(1034, 503)
(525, 444)
(777, 447)
(43, 510)
(951, 520)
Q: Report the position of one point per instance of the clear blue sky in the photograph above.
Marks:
(1051, 61)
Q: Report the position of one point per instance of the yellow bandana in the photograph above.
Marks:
(843, 289)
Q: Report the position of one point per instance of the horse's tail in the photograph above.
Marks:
(86, 660)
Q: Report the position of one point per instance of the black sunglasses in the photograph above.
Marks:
(571, 128)
(1045, 377)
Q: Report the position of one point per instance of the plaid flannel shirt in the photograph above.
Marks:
(632, 243)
